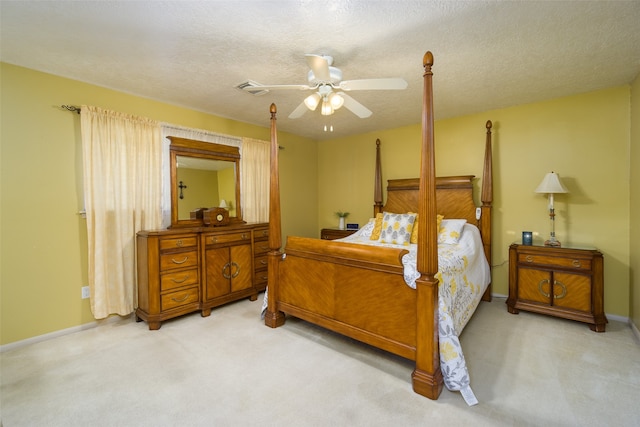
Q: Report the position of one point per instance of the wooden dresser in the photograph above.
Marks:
(335, 233)
(561, 282)
(185, 270)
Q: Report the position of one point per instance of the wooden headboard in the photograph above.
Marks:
(454, 197)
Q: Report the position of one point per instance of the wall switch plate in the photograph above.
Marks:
(85, 292)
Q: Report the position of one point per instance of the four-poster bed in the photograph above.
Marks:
(360, 290)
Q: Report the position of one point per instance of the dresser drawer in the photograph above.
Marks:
(260, 262)
(178, 260)
(214, 239)
(178, 243)
(554, 261)
(179, 298)
(179, 279)
(261, 234)
(261, 248)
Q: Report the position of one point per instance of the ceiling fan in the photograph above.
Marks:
(328, 88)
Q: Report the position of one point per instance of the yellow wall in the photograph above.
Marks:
(43, 252)
(635, 202)
(584, 138)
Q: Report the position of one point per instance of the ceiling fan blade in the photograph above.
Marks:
(299, 111)
(392, 83)
(320, 67)
(285, 87)
(355, 107)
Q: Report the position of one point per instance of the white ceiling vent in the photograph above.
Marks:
(252, 87)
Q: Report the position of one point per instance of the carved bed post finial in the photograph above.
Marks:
(273, 317)
(377, 190)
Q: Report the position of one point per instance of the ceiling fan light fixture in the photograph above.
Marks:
(336, 100)
(312, 101)
(327, 109)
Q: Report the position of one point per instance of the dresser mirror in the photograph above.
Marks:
(203, 175)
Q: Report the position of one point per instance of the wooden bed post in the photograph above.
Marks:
(427, 377)
(377, 190)
(272, 317)
(487, 200)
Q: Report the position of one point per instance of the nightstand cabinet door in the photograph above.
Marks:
(534, 285)
(561, 282)
(572, 291)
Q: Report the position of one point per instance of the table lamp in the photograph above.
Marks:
(551, 185)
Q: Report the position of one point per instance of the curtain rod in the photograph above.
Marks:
(71, 108)
(75, 109)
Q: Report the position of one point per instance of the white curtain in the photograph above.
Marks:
(122, 158)
(255, 174)
(189, 133)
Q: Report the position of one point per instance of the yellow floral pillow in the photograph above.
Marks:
(450, 230)
(396, 228)
(375, 234)
(414, 232)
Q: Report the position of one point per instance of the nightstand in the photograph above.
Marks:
(561, 282)
(335, 233)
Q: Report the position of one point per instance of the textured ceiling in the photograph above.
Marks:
(488, 54)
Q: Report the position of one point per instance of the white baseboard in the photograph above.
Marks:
(635, 330)
(63, 332)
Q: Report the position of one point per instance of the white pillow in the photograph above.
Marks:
(396, 228)
(450, 230)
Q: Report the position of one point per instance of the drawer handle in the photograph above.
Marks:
(226, 270)
(529, 258)
(214, 240)
(265, 233)
(180, 281)
(179, 243)
(244, 236)
(264, 248)
(180, 300)
(577, 263)
(263, 262)
(564, 290)
(540, 284)
(180, 262)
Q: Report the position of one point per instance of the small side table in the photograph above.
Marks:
(335, 233)
(561, 282)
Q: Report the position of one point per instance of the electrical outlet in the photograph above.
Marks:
(85, 292)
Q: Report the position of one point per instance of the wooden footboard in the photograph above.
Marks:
(355, 290)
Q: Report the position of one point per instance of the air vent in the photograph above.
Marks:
(252, 87)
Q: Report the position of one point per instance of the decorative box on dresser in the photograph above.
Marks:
(561, 282)
(335, 233)
(185, 270)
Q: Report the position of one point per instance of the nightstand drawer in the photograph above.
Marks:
(542, 260)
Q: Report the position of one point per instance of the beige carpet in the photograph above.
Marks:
(231, 370)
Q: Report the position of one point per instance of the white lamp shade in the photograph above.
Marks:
(551, 184)
(336, 100)
(312, 101)
(223, 203)
(327, 109)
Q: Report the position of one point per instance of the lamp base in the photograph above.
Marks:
(554, 243)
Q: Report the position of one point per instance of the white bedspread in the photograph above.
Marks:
(463, 275)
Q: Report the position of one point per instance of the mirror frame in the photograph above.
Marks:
(201, 150)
